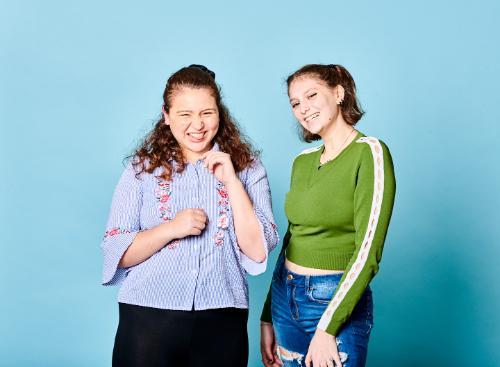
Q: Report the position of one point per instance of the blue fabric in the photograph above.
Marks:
(297, 304)
(201, 272)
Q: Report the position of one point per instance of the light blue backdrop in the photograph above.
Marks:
(81, 82)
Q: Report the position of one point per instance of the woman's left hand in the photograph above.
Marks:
(220, 165)
(323, 351)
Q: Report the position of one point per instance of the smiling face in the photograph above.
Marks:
(193, 117)
(315, 104)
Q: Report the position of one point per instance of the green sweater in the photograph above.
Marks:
(338, 216)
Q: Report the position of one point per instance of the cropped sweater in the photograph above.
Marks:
(338, 214)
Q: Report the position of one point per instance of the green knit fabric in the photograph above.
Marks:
(338, 216)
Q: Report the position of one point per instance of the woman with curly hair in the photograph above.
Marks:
(319, 310)
(190, 216)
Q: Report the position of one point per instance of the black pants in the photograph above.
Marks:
(150, 337)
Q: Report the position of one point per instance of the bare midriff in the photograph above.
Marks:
(302, 270)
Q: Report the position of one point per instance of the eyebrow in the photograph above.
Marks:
(190, 111)
(306, 92)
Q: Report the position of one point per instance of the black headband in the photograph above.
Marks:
(203, 68)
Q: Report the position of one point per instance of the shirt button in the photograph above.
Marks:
(289, 277)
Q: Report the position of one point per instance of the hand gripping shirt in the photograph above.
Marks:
(196, 272)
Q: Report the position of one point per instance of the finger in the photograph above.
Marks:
(202, 215)
(269, 363)
(267, 356)
(308, 360)
(207, 161)
(198, 214)
(195, 221)
(207, 154)
(218, 158)
(199, 225)
(267, 348)
(320, 361)
(195, 232)
(336, 357)
(197, 217)
(199, 211)
(212, 163)
(278, 360)
(276, 356)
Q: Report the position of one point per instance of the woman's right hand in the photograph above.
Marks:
(268, 347)
(189, 222)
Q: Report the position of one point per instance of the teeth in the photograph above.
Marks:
(313, 116)
(196, 135)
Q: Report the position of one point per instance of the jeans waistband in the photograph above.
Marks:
(300, 280)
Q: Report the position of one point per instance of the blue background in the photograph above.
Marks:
(81, 83)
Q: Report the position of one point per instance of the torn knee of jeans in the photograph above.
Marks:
(286, 355)
(343, 356)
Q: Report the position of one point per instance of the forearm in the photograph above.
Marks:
(246, 225)
(147, 243)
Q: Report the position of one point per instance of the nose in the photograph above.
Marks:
(198, 123)
(304, 106)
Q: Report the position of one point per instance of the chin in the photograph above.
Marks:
(200, 147)
(312, 129)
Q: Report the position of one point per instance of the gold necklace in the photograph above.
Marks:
(338, 149)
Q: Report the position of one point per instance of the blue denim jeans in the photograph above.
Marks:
(298, 302)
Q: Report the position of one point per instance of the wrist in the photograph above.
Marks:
(324, 333)
(169, 232)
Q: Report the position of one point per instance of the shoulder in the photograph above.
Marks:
(308, 151)
(135, 170)
(254, 171)
(374, 152)
(373, 146)
(255, 165)
(306, 155)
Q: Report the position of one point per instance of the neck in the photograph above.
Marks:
(336, 135)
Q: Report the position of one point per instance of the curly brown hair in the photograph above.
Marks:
(332, 75)
(160, 147)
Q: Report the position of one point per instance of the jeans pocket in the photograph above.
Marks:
(320, 294)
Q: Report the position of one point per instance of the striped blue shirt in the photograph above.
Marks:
(201, 272)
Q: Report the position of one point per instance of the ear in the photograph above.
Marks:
(165, 115)
(340, 94)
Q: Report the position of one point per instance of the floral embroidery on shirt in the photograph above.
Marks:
(163, 193)
(115, 231)
(222, 212)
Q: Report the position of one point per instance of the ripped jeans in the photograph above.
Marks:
(298, 302)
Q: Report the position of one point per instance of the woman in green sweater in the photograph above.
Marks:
(319, 310)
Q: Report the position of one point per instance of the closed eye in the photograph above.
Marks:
(312, 95)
